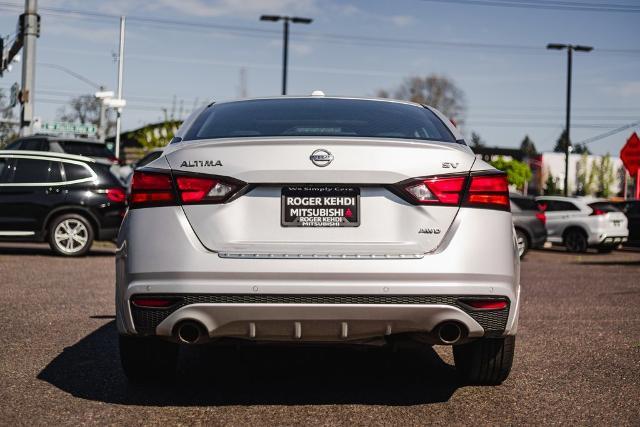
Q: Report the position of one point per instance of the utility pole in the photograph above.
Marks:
(567, 149)
(285, 40)
(30, 30)
(120, 72)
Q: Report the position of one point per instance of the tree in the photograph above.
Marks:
(434, 90)
(155, 135)
(85, 109)
(581, 149)
(518, 173)
(8, 129)
(528, 147)
(604, 175)
(586, 176)
(551, 186)
(561, 143)
(476, 140)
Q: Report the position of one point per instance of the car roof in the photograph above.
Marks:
(51, 154)
(60, 138)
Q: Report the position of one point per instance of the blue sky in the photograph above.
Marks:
(509, 92)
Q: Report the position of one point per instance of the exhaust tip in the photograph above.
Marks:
(450, 333)
(190, 332)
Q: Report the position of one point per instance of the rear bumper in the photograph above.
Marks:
(473, 261)
(317, 317)
(613, 240)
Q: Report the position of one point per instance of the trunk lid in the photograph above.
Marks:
(252, 225)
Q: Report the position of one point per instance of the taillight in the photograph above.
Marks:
(437, 190)
(597, 211)
(157, 189)
(542, 217)
(199, 189)
(485, 304)
(488, 191)
(151, 189)
(116, 195)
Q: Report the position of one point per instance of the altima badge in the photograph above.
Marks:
(321, 157)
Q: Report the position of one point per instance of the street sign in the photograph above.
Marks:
(630, 154)
(63, 127)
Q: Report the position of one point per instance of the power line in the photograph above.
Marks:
(319, 37)
(607, 134)
(546, 5)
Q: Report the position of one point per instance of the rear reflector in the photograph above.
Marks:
(486, 304)
(152, 302)
(490, 191)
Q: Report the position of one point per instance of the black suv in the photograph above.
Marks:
(66, 200)
(81, 147)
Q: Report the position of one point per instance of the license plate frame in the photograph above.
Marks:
(332, 199)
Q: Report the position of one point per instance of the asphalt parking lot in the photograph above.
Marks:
(577, 358)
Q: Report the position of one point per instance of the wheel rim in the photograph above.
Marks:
(520, 239)
(71, 236)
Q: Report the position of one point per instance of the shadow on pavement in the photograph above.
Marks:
(612, 262)
(90, 369)
(43, 249)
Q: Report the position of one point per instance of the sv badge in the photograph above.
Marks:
(449, 165)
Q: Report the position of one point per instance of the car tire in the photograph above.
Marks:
(523, 243)
(70, 235)
(485, 361)
(148, 359)
(575, 241)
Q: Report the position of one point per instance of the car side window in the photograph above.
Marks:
(55, 174)
(4, 170)
(30, 171)
(74, 172)
(35, 145)
(14, 145)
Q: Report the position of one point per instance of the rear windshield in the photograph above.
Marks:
(525, 204)
(319, 117)
(89, 149)
(604, 207)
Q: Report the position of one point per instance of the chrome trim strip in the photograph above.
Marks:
(317, 256)
(17, 233)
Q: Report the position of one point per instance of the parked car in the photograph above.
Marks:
(581, 223)
(529, 223)
(318, 219)
(66, 200)
(631, 209)
(81, 147)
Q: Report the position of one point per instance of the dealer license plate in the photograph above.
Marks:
(320, 206)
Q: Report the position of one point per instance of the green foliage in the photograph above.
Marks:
(604, 175)
(528, 147)
(518, 173)
(586, 176)
(157, 135)
(551, 186)
(581, 149)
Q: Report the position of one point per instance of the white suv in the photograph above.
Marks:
(581, 223)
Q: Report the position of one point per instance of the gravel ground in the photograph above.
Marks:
(577, 358)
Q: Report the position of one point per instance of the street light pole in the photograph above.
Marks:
(120, 73)
(570, 48)
(285, 40)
